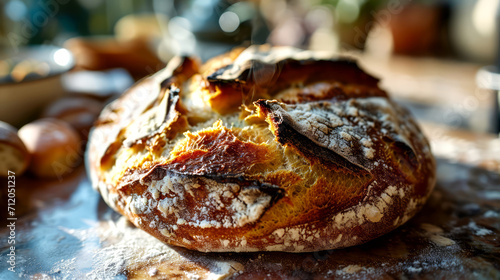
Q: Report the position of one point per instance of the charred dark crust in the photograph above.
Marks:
(169, 114)
(306, 71)
(336, 93)
(185, 67)
(287, 135)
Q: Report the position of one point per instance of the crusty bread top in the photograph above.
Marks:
(261, 149)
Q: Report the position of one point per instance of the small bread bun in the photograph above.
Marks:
(14, 156)
(107, 53)
(78, 111)
(54, 145)
(262, 149)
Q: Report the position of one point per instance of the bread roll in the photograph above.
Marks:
(54, 145)
(261, 149)
(78, 111)
(107, 53)
(13, 154)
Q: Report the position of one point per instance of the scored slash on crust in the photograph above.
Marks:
(286, 131)
(252, 185)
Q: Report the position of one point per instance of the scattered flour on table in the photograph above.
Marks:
(123, 247)
(477, 230)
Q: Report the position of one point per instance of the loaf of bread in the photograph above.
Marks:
(14, 156)
(261, 149)
(55, 147)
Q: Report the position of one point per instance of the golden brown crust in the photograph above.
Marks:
(263, 149)
(54, 147)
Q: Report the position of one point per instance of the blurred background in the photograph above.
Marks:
(439, 58)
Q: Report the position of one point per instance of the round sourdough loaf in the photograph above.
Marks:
(261, 149)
